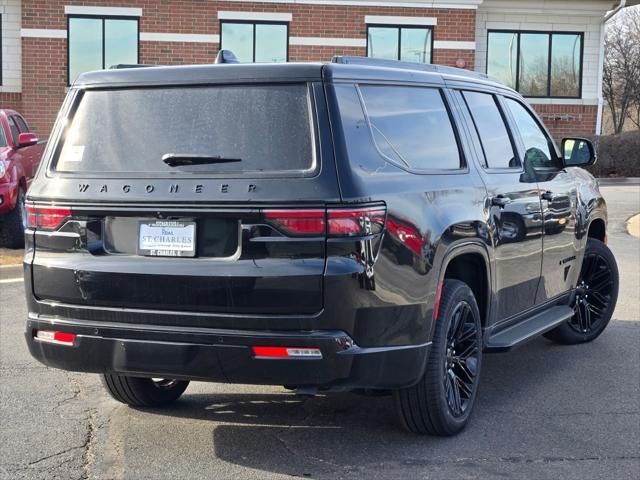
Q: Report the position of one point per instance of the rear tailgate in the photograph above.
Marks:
(135, 232)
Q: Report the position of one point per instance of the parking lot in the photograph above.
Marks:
(543, 411)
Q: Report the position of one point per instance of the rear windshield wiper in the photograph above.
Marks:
(179, 159)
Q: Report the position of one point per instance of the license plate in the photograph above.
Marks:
(167, 238)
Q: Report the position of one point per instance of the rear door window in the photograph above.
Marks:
(411, 126)
(256, 130)
(492, 130)
(14, 130)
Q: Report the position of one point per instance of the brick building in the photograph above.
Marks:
(551, 51)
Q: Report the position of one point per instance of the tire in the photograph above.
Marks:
(12, 224)
(430, 406)
(596, 297)
(143, 392)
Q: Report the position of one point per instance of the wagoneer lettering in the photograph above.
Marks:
(361, 224)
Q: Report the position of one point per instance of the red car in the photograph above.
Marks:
(20, 153)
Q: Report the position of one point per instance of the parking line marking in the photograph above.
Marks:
(12, 280)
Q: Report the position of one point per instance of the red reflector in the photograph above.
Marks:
(298, 222)
(286, 352)
(436, 309)
(60, 338)
(357, 221)
(48, 218)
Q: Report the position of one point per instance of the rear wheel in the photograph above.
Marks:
(596, 296)
(13, 224)
(441, 402)
(143, 392)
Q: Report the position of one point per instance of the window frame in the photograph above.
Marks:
(506, 120)
(103, 18)
(254, 23)
(464, 163)
(400, 28)
(550, 34)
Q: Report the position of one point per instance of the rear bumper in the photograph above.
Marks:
(223, 355)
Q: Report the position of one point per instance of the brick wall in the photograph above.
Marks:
(568, 120)
(11, 100)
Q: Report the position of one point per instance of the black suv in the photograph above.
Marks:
(355, 225)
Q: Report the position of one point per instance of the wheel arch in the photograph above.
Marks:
(597, 229)
(455, 265)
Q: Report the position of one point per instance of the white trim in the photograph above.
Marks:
(178, 37)
(459, 4)
(264, 16)
(106, 11)
(392, 20)
(329, 42)
(453, 45)
(42, 33)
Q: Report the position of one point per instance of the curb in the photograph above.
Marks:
(619, 181)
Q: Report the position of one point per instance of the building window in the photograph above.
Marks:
(95, 43)
(256, 41)
(407, 43)
(537, 64)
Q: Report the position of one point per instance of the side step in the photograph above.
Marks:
(521, 332)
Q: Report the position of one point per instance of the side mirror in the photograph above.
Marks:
(26, 139)
(578, 152)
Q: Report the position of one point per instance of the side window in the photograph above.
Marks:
(22, 126)
(3, 139)
(411, 126)
(14, 130)
(494, 137)
(538, 147)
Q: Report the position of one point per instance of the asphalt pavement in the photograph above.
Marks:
(543, 411)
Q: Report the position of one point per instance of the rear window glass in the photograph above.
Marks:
(257, 129)
(411, 127)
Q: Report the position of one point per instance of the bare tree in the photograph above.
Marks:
(621, 78)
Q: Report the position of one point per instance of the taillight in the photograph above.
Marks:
(335, 222)
(46, 218)
(298, 222)
(59, 338)
(355, 221)
(286, 352)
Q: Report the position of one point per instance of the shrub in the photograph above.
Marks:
(618, 155)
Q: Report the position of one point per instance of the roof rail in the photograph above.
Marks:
(120, 66)
(423, 67)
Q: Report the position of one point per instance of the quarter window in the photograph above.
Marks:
(95, 43)
(255, 42)
(494, 137)
(409, 44)
(537, 64)
(539, 151)
(411, 127)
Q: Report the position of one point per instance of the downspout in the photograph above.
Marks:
(606, 18)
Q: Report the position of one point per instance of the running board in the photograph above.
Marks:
(521, 332)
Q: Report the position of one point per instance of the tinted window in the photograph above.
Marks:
(538, 150)
(409, 44)
(496, 144)
(267, 127)
(22, 126)
(86, 39)
(14, 130)
(256, 42)
(3, 138)
(411, 126)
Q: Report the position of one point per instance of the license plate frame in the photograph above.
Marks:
(167, 238)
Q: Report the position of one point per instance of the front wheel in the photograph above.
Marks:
(441, 402)
(596, 297)
(143, 392)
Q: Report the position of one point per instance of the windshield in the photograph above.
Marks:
(263, 129)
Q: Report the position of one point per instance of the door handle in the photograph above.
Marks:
(500, 201)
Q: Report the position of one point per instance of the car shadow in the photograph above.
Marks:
(339, 434)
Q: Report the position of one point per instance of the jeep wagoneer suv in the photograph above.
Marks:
(360, 224)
